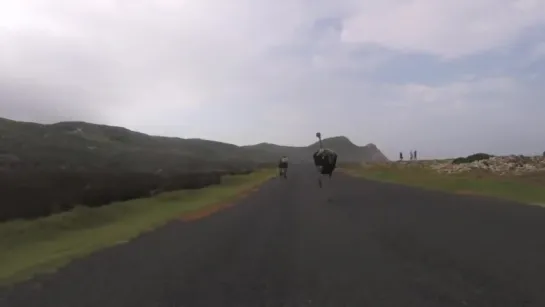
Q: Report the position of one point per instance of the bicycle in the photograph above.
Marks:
(283, 173)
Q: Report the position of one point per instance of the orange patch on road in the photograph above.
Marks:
(207, 211)
(347, 171)
(211, 209)
(467, 192)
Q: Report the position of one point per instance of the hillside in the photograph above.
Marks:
(80, 146)
(348, 151)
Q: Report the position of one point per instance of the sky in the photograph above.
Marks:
(444, 77)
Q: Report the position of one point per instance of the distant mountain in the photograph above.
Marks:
(81, 146)
(347, 151)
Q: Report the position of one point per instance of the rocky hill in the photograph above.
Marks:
(348, 151)
(80, 146)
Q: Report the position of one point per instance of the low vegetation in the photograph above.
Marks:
(32, 194)
(527, 188)
(47, 243)
(472, 158)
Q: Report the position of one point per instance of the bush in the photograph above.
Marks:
(33, 194)
(472, 158)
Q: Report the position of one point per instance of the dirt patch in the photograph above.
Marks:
(209, 210)
(468, 192)
(246, 193)
(206, 211)
(346, 171)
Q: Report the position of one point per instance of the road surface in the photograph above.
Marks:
(354, 243)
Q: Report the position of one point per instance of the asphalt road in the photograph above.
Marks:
(353, 243)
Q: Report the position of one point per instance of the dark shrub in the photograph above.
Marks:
(32, 194)
(472, 158)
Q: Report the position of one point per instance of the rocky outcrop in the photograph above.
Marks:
(501, 165)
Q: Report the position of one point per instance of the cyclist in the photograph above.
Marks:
(283, 166)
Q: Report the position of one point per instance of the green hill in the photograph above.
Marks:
(81, 146)
(46, 169)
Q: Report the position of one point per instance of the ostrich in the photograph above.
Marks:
(325, 160)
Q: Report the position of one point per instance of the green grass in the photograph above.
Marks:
(45, 244)
(527, 189)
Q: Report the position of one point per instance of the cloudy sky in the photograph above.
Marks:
(446, 77)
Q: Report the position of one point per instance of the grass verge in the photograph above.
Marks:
(525, 188)
(45, 244)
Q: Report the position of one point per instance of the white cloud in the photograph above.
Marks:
(248, 71)
(500, 115)
(447, 28)
(538, 52)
